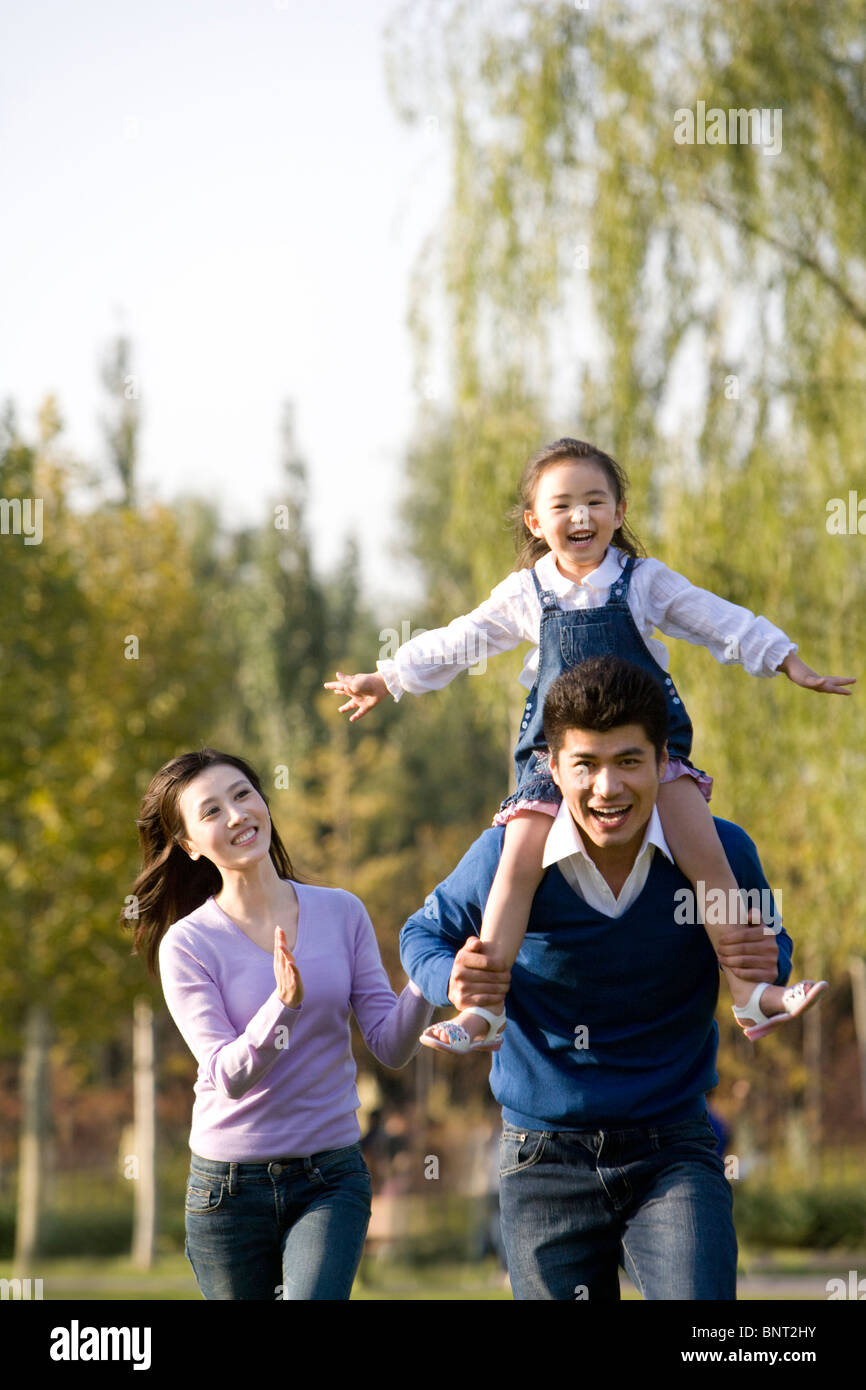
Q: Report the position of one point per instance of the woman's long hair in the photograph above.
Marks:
(170, 884)
(531, 548)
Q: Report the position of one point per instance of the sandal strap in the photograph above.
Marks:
(456, 1032)
(493, 1020)
(796, 993)
(752, 1010)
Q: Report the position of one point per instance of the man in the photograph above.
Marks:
(606, 1155)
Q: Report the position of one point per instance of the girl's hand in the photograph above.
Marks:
(801, 674)
(364, 692)
(290, 986)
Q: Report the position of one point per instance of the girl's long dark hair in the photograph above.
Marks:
(170, 884)
(531, 548)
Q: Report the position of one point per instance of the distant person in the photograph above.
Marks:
(261, 973)
(720, 1129)
(606, 1155)
(582, 590)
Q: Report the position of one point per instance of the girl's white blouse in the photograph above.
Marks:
(658, 597)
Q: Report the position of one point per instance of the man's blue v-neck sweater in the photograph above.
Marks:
(610, 1020)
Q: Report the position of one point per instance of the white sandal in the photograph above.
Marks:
(460, 1041)
(795, 1000)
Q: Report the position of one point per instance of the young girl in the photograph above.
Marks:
(278, 1198)
(587, 593)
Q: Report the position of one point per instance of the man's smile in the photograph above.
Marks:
(611, 817)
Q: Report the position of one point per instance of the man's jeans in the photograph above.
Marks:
(291, 1229)
(577, 1205)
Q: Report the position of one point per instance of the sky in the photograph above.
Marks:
(226, 183)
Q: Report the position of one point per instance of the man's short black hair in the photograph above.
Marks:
(601, 694)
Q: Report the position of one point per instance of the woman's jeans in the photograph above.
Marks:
(577, 1205)
(291, 1229)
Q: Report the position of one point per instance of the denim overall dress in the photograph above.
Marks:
(567, 638)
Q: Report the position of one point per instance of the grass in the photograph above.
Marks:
(171, 1279)
(796, 1275)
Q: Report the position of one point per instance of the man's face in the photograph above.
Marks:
(609, 783)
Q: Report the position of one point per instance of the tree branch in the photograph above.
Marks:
(807, 259)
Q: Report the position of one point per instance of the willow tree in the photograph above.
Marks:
(654, 238)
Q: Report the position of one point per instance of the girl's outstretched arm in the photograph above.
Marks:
(432, 659)
(801, 674)
(364, 691)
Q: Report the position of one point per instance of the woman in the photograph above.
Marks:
(260, 973)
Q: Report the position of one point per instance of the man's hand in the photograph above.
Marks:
(479, 977)
(750, 951)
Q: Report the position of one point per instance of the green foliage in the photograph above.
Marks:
(279, 614)
(112, 653)
(816, 1218)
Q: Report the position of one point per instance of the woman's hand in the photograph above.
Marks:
(364, 691)
(801, 674)
(290, 986)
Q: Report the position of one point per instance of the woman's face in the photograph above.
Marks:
(225, 819)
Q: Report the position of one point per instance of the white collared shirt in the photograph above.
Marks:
(658, 597)
(565, 847)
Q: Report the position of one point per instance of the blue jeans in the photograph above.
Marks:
(290, 1229)
(576, 1205)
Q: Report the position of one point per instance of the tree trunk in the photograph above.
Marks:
(812, 1044)
(341, 810)
(35, 1113)
(144, 1171)
(857, 971)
